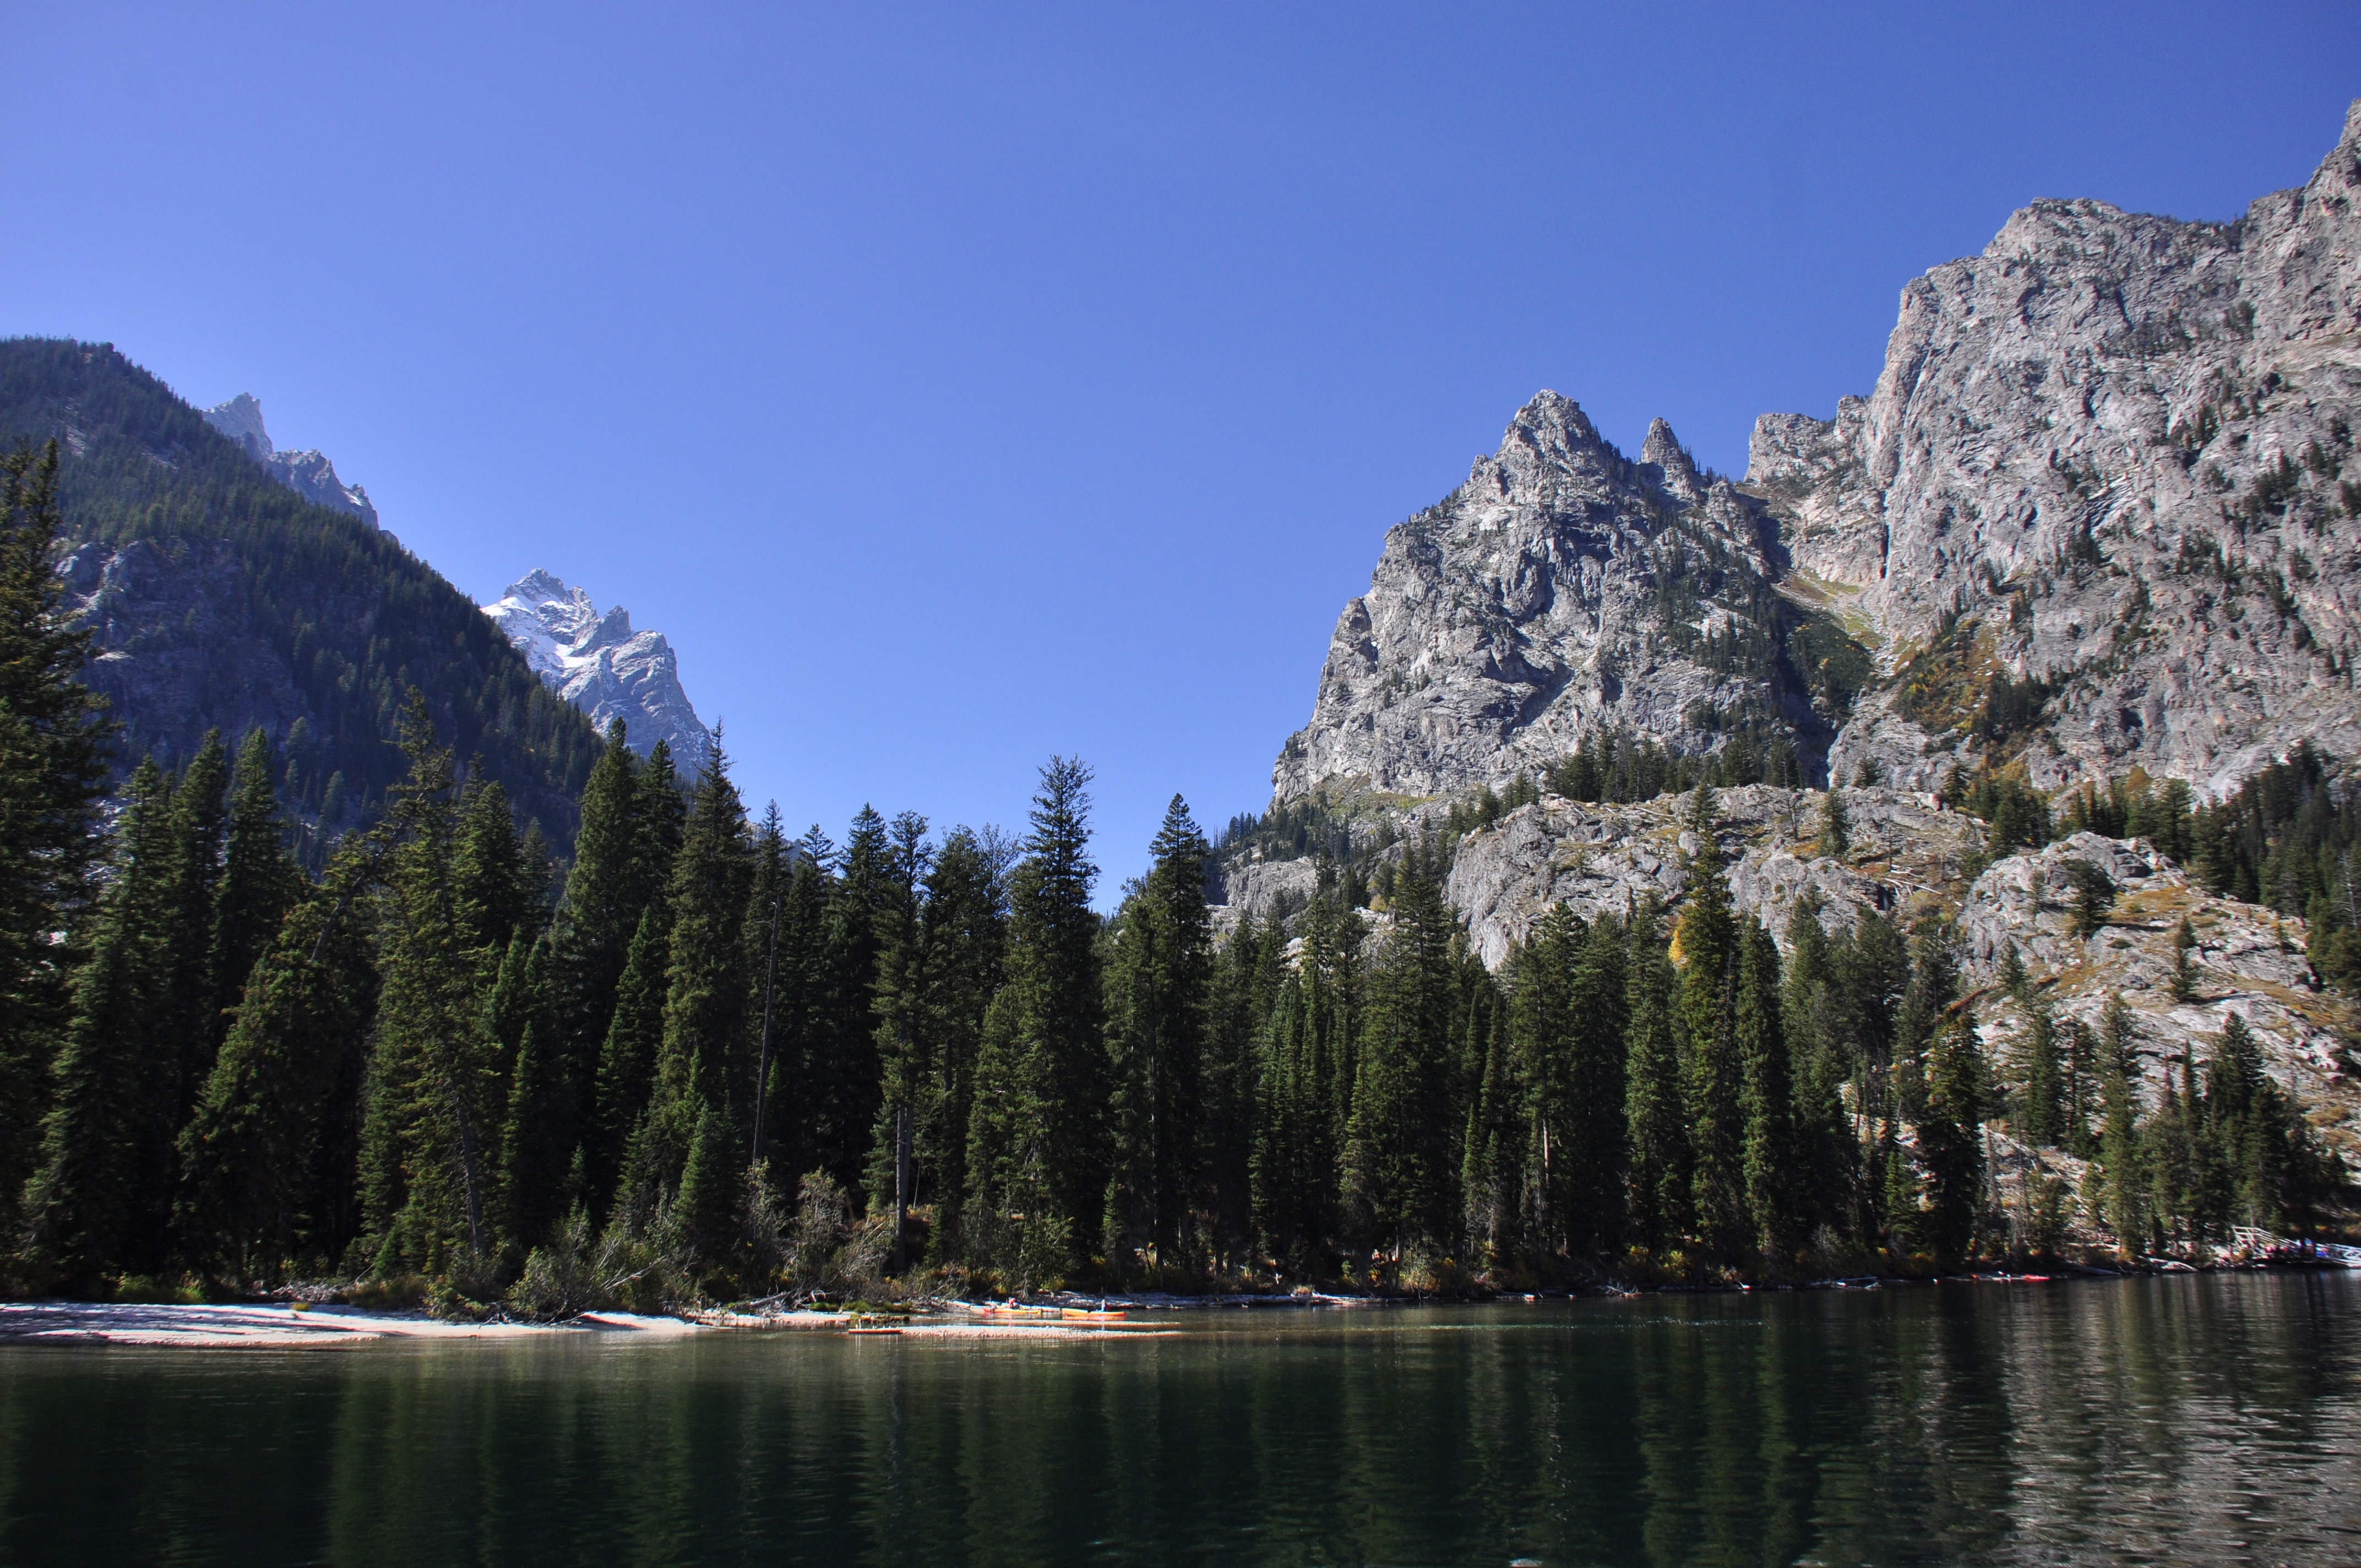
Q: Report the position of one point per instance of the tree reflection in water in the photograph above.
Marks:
(2166, 1419)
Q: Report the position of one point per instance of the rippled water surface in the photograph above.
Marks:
(2171, 1420)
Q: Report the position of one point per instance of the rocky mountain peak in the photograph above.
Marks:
(240, 418)
(599, 664)
(1563, 591)
(1676, 470)
(307, 473)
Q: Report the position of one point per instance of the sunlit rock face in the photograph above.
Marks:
(1564, 588)
(2114, 453)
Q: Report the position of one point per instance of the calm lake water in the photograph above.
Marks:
(2171, 1420)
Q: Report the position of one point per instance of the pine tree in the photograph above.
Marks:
(90, 1204)
(495, 892)
(627, 1060)
(429, 1141)
(53, 742)
(543, 1130)
(1567, 1012)
(607, 889)
(1899, 1088)
(1400, 1168)
(1715, 1072)
(1766, 1099)
(963, 935)
(259, 880)
(2041, 1104)
(268, 1157)
(2184, 974)
(706, 991)
(1950, 1143)
(1822, 1025)
(1160, 995)
(839, 1089)
(1038, 1161)
(192, 990)
(802, 1018)
(904, 1042)
(2123, 1181)
(1239, 1013)
(710, 1181)
(1836, 828)
(1492, 1170)
(1662, 1159)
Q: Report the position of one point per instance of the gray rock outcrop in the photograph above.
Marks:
(2113, 452)
(602, 666)
(1563, 589)
(306, 473)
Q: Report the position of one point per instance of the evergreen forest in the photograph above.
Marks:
(699, 1059)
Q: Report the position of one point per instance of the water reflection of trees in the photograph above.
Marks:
(2164, 1418)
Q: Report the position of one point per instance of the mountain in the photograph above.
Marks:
(2095, 515)
(2099, 523)
(601, 666)
(308, 474)
(1563, 591)
(222, 598)
(2112, 455)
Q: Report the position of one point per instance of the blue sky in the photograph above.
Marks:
(958, 389)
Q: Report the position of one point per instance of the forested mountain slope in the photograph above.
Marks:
(222, 599)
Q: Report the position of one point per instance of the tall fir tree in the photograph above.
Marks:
(607, 888)
(269, 1157)
(1662, 1159)
(1774, 1203)
(962, 932)
(1715, 1071)
(260, 882)
(54, 740)
(1493, 1176)
(192, 989)
(1036, 1154)
(1950, 1143)
(627, 1061)
(705, 1012)
(429, 1139)
(93, 1202)
(1160, 995)
(904, 1044)
(1401, 1164)
(838, 1091)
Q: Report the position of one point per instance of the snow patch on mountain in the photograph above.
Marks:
(600, 665)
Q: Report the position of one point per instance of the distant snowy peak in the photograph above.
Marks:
(600, 665)
(308, 474)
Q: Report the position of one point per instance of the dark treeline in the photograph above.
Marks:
(707, 1060)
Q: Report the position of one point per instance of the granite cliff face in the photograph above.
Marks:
(1563, 589)
(308, 474)
(2102, 510)
(2113, 453)
(2109, 461)
(601, 666)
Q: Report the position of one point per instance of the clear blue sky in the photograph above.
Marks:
(954, 391)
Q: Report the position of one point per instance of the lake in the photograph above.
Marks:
(2179, 1420)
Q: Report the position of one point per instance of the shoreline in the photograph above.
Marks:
(282, 1325)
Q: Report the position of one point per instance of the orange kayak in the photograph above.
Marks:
(1082, 1314)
